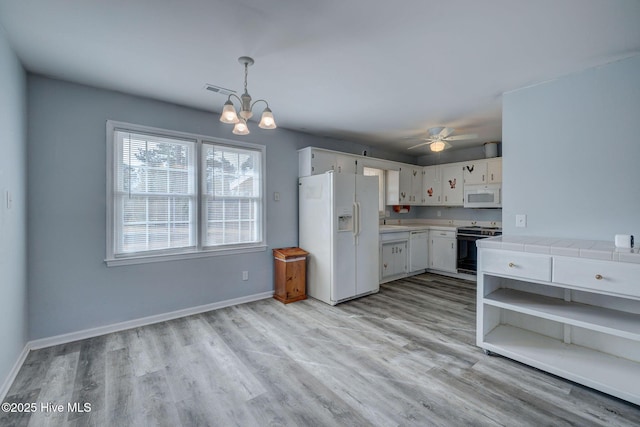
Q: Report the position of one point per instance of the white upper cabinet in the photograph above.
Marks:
(494, 170)
(432, 186)
(314, 161)
(410, 185)
(346, 163)
(452, 184)
(475, 172)
(406, 184)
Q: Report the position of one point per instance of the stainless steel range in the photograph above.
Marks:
(467, 251)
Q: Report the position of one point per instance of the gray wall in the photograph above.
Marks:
(13, 232)
(571, 151)
(70, 288)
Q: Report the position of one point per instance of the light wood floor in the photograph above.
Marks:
(405, 356)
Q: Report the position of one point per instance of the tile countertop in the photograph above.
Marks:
(431, 224)
(390, 228)
(591, 249)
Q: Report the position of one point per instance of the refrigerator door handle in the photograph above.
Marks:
(356, 220)
(359, 218)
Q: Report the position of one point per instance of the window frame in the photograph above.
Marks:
(199, 250)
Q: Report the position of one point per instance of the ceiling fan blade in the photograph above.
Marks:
(419, 145)
(461, 137)
(445, 132)
(433, 132)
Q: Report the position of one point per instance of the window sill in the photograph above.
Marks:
(133, 260)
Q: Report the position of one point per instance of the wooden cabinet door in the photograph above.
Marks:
(475, 172)
(432, 186)
(442, 254)
(322, 161)
(452, 185)
(346, 164)
(416, 197)
(494, 170)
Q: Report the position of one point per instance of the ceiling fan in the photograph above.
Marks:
(439, 138)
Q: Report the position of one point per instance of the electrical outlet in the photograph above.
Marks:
(245, 275)
(521, 220)
(276, 196)
(439, 213)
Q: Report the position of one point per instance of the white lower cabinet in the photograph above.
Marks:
(418, 251)
(443, 251)
(573, 317)
(394, 256)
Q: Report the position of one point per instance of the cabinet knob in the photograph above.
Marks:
(598, 276)
(511, 265)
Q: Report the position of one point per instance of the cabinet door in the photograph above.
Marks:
(416, 186)
(401, 258)
(432, 187)
(346, 164)
(442, 255)
(494, 170)
(475, 172)
(452, 185)
(405, 185)
(419, 251)
(387, 265)
(322, 161)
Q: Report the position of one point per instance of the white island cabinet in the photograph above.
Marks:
(568, 307)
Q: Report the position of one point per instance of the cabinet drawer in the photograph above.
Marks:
(609, 277)
(443, 233)
(529, 266)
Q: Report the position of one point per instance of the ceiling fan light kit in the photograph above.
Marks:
(439, 138)
(229, 114)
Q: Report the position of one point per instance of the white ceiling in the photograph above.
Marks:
(371, 71)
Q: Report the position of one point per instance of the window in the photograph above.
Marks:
(367, 171)
(179, 195)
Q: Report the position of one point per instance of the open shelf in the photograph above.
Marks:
(613, 375)
(609, 321)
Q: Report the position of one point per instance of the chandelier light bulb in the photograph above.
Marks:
(267, 121)
(241, 128)
(229, 113)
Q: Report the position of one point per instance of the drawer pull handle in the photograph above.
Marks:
(511, 265)
(598, 276)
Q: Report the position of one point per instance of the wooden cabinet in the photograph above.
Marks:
(494, 170)
(393, 255)
(475, 172)
(432, 186)
(443, 250)
(394, 260)
(410, 183)
(314, 161)
(346, 163)
(418, 251)
(574, 317)
(452, 185)
(290, 269)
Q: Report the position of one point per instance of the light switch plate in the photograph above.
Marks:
(521, 220)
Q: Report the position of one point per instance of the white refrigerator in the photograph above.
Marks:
(338, 226)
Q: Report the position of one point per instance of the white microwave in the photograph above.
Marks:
(482, 196)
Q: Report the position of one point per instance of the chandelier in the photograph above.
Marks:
(229, 114)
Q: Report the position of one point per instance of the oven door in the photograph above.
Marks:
(467, 254)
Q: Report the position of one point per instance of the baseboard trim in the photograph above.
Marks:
(6, 385)
(129, 324)
(116, 327)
